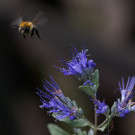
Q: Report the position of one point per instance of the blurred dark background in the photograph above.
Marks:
(108, 29)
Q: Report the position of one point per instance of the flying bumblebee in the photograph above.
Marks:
(29, 28)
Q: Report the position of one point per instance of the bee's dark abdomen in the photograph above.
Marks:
(34, 31)
(28, 31)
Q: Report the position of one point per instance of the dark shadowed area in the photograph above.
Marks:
(108, 29)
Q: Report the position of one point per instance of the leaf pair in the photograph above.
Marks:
(56, 130)
(91, 89)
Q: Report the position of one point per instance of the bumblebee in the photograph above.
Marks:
(28, 28)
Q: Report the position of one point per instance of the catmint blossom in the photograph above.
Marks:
(88, 82)
(58, 105)
(102, 108)
(125, 104)
(80, 66)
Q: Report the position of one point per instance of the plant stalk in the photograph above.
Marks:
(95, 129)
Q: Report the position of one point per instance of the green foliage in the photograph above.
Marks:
(103, 127)
(91, 89)
(114, 109)
(87, 89)
(106, 123)
(95, 79)
(56, 130)
(91, 132)
(78, 122)
(78, 131)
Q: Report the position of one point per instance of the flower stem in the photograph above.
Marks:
(95, 129)
(106, 122)
(102, 123)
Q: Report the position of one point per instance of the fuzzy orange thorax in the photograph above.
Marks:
(25, 24)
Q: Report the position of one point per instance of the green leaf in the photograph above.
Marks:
(84, 133)
(91, 132)
(87, 90)
(103, 127)
(79, 131)
(107, 112)
(91, 89)
(106, 124)
(113, 108)
(78, 123)
(95, 78)
(56, 130)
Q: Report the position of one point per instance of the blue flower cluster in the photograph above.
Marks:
(83, 68)
(102, 108)
(62, 107)
(125, 104)
(79, 66)
(56, 102)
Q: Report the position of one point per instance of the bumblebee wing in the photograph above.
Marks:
(39, 18)
(16, 22)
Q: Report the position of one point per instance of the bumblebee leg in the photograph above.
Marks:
(37, 33)
(23, 36)
(32, 33)
(27, 31)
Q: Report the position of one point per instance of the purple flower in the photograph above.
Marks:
(125, 104)
(122, 111)
(101, 106)
(79, 66)
(58, 105)
(88, 82)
